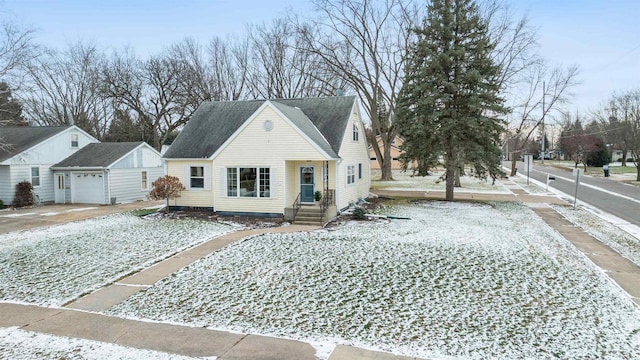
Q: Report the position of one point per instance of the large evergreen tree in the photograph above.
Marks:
(449, 103)
(10, 109)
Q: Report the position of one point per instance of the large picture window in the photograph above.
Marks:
(248, 182)
(197, 177)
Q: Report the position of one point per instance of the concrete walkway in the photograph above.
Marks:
(79, 319)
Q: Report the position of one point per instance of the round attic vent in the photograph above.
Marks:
(268, 125)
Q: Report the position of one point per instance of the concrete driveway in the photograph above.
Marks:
(46, 215)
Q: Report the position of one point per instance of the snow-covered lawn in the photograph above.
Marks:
(405, 181)
(17, 344)
(619, 240)
(53, 265)
(458, 280)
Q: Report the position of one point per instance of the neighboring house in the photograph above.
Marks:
(29, 153)
(104, 173)
(395, 154)
(268, 157)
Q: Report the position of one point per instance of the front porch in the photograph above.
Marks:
(310, 191)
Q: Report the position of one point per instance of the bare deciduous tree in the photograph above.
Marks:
(229, 62)
(63, 88)
(16, 49)
(283, 66)
(542, 92)
(364, 43)
(152, 90)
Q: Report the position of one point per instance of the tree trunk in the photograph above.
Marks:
(514, 169)
(386, 174)
(450, 177)
(638, 172)
(456, 182)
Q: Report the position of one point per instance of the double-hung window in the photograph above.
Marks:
(197, 177)
(249, 182)
(360, 171)
(143, 180)
(351, 174)
(35, 176)
(74, 141)
(356, 134)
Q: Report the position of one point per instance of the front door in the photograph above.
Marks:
(59, 189)
(307, 186)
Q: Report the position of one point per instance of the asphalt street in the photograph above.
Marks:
(616, 198)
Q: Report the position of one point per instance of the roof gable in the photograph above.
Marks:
(23, 138)
(99, 155)
(322, 120)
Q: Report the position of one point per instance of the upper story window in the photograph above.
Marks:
(74, 140)
(197, 177)
(356, 134)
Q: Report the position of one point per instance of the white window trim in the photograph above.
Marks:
(31, 176)
(355, 133)
(353, 174)
(77, 140)
(197, 177)
(146, 183)
(237, 195)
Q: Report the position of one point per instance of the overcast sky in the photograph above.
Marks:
(602, 37)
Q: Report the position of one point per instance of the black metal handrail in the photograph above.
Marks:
(296, 205)
(327, 200)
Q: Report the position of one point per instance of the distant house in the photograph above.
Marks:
(29, 153)
(395, 154)
(103, 173)
(269, 157)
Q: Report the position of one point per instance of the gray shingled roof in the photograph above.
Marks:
(22, 138)
(98, 155)
(324, 120)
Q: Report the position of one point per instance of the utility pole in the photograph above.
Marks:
(543, 112)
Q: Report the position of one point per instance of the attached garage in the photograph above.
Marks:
(88, 188)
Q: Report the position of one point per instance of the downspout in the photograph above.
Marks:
(337, 166)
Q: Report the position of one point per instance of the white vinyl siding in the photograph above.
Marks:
(353, 153)
(196, 197)
(125, 183)
(275, 148)
(6, 193)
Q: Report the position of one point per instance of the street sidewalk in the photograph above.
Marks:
(79, 319)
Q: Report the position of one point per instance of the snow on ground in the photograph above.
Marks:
(619, 240)
(458, 280)
(404, 181)
(54, 265)
(18, 344)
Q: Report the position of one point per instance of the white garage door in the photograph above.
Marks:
(88, 188)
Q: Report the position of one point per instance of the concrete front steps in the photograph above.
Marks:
(309, 215)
